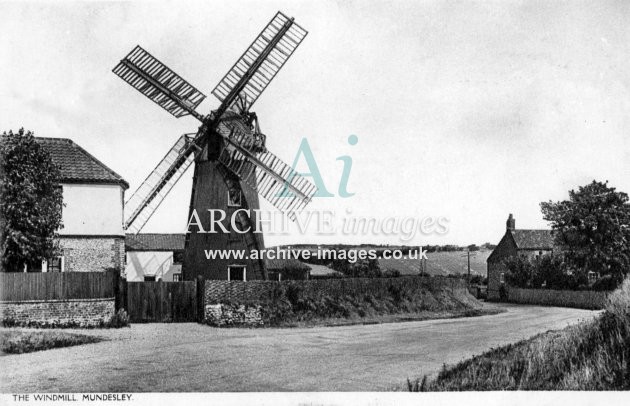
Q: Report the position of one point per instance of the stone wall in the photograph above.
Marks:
(92, 253)
(57, 313)
(582, 299)
(222, 315)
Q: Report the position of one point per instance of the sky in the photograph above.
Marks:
(463, 110)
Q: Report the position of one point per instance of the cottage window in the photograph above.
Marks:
(237, 273)
(54, 264)
(177, 277)
(234, 198)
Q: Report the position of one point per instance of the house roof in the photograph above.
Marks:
(318, 270)
(533, 239)
(77, 165)
(280, 264)
(154, 242)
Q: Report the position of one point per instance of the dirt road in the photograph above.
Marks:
(197, 358)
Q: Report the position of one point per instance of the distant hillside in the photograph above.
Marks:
(440, 263)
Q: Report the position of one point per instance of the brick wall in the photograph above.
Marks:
(57, 313)
(93, 254)
(582, 299)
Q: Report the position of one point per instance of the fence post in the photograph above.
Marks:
(115, 281)
(200, 292)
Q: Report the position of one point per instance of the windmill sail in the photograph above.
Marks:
(273, 179)
(260, 63)
(156, 81)
(146, 199)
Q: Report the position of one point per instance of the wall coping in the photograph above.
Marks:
(98, 299)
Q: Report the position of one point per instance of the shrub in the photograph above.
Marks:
(391, 273)
(605, 283)
(478, 280)
(519, 271)
(118, 320)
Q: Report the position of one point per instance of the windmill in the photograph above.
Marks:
(232, 165)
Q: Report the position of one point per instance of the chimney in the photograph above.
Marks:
(510, 224)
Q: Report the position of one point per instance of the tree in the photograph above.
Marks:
(30, 204)
(549, 270)
(593, 229)
(519, 271)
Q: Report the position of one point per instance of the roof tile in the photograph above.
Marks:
(78, 165)
(533, 239)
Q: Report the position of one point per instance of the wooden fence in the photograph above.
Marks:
(160, 301)
(16, 287)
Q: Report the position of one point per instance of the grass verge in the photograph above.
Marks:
(21, 341)
(592, 355)
(391, 318)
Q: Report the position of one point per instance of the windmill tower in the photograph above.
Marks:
(232, 163)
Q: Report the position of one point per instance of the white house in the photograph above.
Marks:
(92, 238)
(154, 257)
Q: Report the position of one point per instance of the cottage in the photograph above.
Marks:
(154, 257)
(92, 237)
(525, 243)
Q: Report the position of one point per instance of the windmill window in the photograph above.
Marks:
(237, 273)
(234, 198)
(502, 277)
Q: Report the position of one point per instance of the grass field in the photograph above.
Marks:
(440, 263)
(21, 341)
(592, 355)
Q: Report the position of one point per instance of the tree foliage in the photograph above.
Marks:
(519, 271)
(593, 229)
(31, 202)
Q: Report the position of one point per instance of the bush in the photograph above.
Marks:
(291, 302)
(605, 283)
(391, 273)
(478, 280)
(519, 271)
(118, 320)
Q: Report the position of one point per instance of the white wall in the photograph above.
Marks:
(150, 263)
(92, 210)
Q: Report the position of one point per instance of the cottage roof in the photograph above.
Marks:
(77, 165)
(533, 239)
(280, 264)
(154, 242)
